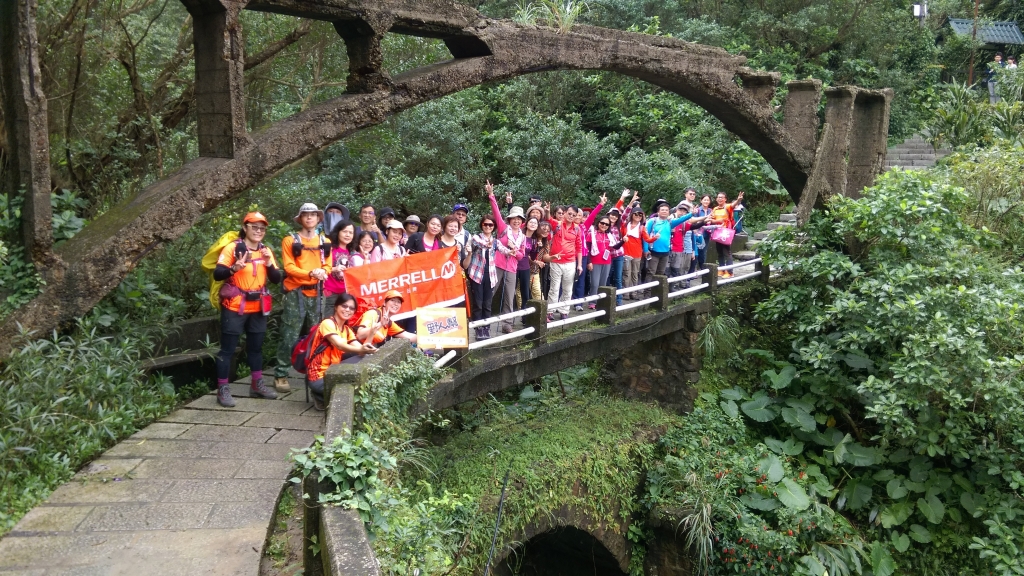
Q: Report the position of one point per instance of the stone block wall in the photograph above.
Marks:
(663, 370)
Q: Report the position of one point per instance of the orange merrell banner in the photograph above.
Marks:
(425, 279)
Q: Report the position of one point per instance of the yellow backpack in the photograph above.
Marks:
(210, 263)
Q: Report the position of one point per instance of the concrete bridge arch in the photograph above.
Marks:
(81, 271)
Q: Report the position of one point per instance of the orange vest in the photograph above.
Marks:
(252, 278)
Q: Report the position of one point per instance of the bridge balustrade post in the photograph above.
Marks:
(661, 291)
(220, 80)
(365, 56)
(712, 278)
(538, 321)
(607, 304)
(765, 270)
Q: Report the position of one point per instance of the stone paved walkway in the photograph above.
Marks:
(191, 494)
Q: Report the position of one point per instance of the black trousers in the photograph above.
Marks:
(480, 296)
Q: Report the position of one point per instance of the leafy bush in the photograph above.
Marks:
(66, 399)
(384, 401)
(994, 179)
(917, 430)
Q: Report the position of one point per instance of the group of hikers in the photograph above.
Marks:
(560, 253)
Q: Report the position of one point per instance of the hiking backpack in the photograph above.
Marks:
(209, 263)
(301, 354)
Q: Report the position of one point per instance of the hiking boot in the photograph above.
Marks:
(224, 396)
(258, 390)
(551, 317)
(478, 332)
(721, 273)
(564, 315)
(483, 333)
(282, 385)
(579, 307)
(318, 403)
(592, 306)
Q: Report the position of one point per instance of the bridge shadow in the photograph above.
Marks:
(564, 551)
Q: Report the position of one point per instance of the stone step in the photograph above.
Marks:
(744, 255)
(761, 235)
(739, 242)
(777, 225)
(905, 157)
(787, 218)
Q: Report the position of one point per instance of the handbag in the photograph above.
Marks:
(723, 235)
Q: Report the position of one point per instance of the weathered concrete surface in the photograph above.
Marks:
(219, 66)
(347, 544)
(868, 139)
(191, 494)
(851, 150)
(800, 111)
(513, 369)
(24, 107)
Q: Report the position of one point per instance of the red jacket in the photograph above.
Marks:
(568, 240)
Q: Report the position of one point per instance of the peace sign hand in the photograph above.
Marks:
(489, 188)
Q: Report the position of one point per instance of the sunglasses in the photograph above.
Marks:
(487, 225)
(349, 308)
(604, 223)
(257, 228)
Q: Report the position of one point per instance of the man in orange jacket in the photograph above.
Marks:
(306, 258)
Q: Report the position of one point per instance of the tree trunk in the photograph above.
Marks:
(24, 106)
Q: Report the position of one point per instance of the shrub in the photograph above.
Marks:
(66, 399)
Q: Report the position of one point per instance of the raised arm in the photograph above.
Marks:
(495, 211)
(593, 213)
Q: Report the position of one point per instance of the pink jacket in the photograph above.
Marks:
(509, 263)
(600, 246)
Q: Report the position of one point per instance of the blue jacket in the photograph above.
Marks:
(664, 228)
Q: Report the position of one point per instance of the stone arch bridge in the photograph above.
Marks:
(844, 158)
(650, 352)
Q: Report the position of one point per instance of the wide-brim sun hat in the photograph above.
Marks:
(413, 219)
(516, 212)
(394, 225)
(344, 209)
(309, 207)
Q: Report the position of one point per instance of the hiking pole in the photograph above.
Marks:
(320, 300)
(497, 523)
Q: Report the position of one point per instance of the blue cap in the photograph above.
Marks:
(462, 207)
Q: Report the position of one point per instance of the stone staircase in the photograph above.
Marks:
(748, 250)
(914, 153)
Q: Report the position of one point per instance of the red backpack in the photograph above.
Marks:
(300, 351)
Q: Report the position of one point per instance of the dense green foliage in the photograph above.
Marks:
(912, 436)
(66, 399)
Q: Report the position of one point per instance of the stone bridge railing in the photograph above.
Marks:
(488, 368)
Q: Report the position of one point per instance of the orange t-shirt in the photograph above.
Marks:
(297, 269)
(370, 317)
(251, 278)
(723, 214)
(319, 364)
